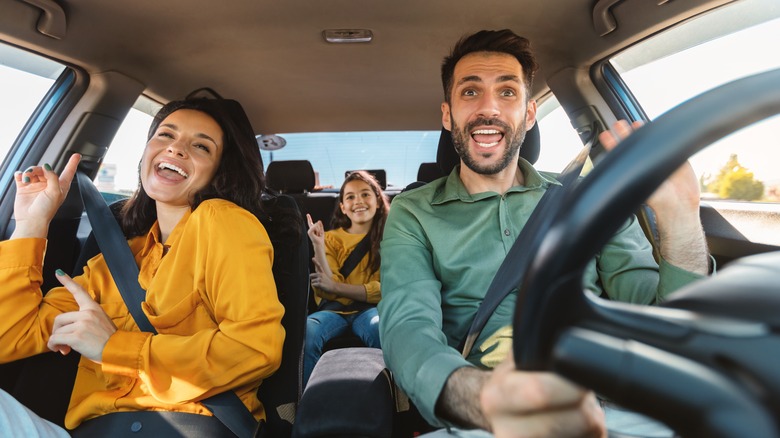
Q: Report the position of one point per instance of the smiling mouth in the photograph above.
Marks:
(171, 167)
(487, 138)
(359, 210)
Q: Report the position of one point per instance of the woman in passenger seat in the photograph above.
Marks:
(196, 229)
(347, 300)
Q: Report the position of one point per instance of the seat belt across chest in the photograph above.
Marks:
(226, 406)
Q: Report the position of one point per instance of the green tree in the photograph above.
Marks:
(735, 181)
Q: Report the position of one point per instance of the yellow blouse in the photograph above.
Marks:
(212, 299)
(338, 246)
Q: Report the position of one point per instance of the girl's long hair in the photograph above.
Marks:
(239, 177)
(341, 220)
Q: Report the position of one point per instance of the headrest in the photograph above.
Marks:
(447, 158)
(290, 176)
(429, 172)
(379, 174)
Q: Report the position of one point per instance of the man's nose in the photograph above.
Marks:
(488, 106)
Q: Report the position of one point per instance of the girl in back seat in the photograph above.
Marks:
(346, 261)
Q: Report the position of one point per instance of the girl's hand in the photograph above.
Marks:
(322, 281)
(316, 232)
(39, 193)
(322, 268)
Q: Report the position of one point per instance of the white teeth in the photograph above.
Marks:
(487, 145)
(486, 131)
(176, 169)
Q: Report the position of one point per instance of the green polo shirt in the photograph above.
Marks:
(441, 249)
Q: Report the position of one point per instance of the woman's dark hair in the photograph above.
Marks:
(500, 41)
(341, 220)
(239, 177)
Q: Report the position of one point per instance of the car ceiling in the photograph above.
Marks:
(271, 56)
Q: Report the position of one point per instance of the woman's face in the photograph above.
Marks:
(181, 157)
(359, 202)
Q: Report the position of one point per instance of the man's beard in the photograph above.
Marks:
(513, 139)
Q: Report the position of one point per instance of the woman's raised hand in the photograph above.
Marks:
(39, 193)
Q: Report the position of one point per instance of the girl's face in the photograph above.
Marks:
(181, 157)
(359, 203)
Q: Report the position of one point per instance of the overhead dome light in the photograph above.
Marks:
(341, 36)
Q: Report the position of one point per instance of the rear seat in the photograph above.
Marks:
(296, 178)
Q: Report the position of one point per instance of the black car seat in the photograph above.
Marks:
(296, 178)
(428, 172)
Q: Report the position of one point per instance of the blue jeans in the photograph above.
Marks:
(325, 325)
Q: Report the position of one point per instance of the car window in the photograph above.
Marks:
(677, 65)
(118, 174)
(331, 154)
(559, 141)
(25, 78)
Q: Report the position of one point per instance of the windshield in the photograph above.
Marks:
(332, 154)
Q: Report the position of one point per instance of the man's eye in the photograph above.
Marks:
(508, 93)
(469, 93)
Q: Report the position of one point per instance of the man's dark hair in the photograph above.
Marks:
(499, 41)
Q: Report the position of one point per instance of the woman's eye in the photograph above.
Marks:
(165, 134)
(203, 147)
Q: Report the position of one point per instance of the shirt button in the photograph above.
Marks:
(136, 426)
(506, 232)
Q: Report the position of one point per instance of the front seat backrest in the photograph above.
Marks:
(290, 176)
(281, 392)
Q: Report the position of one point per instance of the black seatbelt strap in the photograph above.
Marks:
(357, 254)
(513, 268)
(226, 406)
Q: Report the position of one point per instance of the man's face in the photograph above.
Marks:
(488, 114)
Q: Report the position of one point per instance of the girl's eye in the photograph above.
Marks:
(202, 146)
(165, 134)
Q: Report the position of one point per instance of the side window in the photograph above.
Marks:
(118, 175)
(559, 141)
(686, 61)
(25, 78)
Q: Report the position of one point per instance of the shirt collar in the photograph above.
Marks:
(453, 188)
(153, 236)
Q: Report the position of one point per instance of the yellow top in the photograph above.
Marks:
(338, 246)
(212, 299)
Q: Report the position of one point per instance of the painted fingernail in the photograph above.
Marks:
(26, 179)
(60, 272)
(29, 170)
(47, 167)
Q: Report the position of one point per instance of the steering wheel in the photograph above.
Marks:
(704, 362)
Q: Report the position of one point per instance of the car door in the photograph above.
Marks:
(739, 182)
